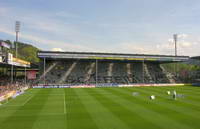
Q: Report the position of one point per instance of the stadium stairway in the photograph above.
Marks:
(147, 74)
(89, 72)
(129, 73)
(67, 73)
(169, 76)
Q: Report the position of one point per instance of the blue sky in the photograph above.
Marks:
(127, 26)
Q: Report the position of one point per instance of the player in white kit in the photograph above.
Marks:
(174, 95)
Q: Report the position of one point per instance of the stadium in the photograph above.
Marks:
(91, 90)
(107, 64)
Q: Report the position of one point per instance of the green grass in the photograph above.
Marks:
(103, 108)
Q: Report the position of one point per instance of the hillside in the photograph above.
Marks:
(25, 51)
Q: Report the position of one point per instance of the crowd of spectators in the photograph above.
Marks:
(6, 85)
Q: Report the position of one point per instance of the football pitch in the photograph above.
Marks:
(103, 108)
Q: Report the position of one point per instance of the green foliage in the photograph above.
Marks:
(180, 67)
(26, 52)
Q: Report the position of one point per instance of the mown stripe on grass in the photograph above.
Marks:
(53, 105)
(194, 89)
(187, 96)
(78, 117)
(18, 101)
(167, 99)
(184, 89)
(168, 107)
(188, 93)
(103, 118)
(141, 108)
(186, 100)
(132, 119)
(24, 122)
(6, 110)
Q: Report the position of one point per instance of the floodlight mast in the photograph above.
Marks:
(17, 30)
(175, 49)
(175, 43)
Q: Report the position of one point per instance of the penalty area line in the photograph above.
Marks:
(27, 100)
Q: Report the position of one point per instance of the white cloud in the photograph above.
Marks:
(44, 30)
(46, 23)
(182, 36)
(79, 40)
(183, 47)
(186, 44)
(131, 47)
(171, 40)
(57, 49)
(64, 14)
(3, 11)
(50, 43)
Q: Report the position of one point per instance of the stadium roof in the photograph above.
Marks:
(9, 65)
(15, 62)
(196, 57)
(110, 56)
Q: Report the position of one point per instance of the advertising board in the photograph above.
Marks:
(31, 75)
(1, 59)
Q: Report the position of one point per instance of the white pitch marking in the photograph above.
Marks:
(45, 114)
(27, 100)
(64, 105)
(46, 94)
(11, 105)
(6, 103)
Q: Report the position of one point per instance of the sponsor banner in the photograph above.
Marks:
(31, 75)
(1, 59)
(51, 86)
(163, 84)
(196, 84)
(37, 87)
(16, 61)
(106, 85)
(10, 58)
(3, 44)
(84, 86)
(19, 62)
(64, 86)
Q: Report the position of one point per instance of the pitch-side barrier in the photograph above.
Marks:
(105, 85)
(196, 84)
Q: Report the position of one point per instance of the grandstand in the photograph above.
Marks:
(104, 68)
(196, 57)
(9, 68)
(9, 65)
